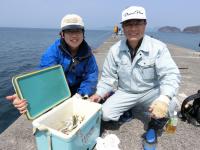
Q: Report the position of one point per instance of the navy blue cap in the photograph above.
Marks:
(72, 27)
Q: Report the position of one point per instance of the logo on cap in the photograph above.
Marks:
(133, 12)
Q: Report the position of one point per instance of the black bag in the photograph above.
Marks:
(191, 111)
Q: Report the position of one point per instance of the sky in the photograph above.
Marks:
(96, 13)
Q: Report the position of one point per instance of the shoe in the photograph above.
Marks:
(151, 136)
(150, 140)
(126, 117)
(158, 125)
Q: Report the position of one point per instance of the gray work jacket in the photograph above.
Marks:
(152, 67)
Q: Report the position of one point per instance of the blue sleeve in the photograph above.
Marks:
(89, 83)
(50, 57)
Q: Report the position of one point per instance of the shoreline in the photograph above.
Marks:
(196, 52)
(19, 135)
(179, 48)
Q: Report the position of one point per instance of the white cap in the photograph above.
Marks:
(133, 12)
(72, 21)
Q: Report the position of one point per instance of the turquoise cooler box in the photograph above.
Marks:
(49, 105)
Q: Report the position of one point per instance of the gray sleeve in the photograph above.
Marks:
(109, 77)
(168, 73)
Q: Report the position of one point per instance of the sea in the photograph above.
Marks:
(21, 49)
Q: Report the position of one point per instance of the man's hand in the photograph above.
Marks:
(20, 104)
(95, 98)
(159, 107)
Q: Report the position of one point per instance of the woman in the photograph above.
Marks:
(75, 55)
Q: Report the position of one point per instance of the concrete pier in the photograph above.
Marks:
(19, 135)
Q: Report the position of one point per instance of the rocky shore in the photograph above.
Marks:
(19, 135)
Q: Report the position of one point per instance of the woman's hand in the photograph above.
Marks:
(20, 104)
(95, 98)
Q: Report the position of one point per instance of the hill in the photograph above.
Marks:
(192, 29)
(169, 29)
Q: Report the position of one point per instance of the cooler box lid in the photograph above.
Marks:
(42, 89)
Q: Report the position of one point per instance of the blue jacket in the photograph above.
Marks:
(81, 71)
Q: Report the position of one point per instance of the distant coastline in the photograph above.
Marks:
(189, 29)
(167, 29)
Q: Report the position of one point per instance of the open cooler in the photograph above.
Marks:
(50, 105)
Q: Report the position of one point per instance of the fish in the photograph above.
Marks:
(71, 123)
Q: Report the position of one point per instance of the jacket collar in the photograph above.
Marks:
(84, 50)
(143, 47)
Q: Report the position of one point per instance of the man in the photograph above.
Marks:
(116, 29)
(75, 55)
(142, 71)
